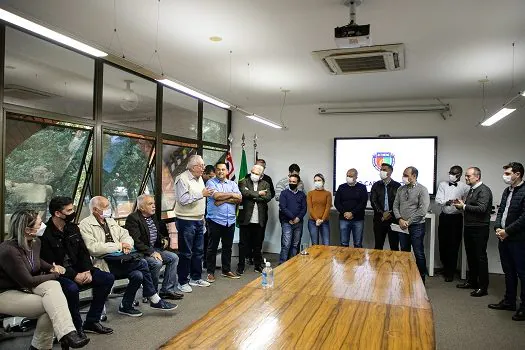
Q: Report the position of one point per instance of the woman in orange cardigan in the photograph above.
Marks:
(319, 202)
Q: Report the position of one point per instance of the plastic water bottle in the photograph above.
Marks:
(267, 276)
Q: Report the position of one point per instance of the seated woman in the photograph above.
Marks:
(28, 285)
(319, 202)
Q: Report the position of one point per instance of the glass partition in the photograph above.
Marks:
(214, 124)
(179, 114)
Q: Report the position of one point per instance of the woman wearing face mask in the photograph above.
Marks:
(28, 287)
(319, 202)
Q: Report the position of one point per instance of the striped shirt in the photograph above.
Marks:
(152, 231)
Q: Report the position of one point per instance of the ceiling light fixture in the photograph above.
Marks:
(264, 121)
(393, 109)
(193, 93)
(523, 93)
(215, 38)
(50, 34)
(502, 113)
(129, 100)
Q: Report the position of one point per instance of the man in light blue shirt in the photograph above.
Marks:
(221, 217)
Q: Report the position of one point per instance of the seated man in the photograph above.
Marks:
(147, 233)
(112, 248)
(62, 244)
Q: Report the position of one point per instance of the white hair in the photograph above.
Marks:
(193, 160)
(141, 199)
(95, 202)
(258, 167)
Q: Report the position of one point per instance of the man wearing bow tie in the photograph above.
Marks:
(450, 228)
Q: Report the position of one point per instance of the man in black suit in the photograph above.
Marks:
(149, 236)
(382, 197)
(252, 217)
(476, 220)
(510, 230)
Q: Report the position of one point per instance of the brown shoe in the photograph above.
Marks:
(231, 275)
(210, 278)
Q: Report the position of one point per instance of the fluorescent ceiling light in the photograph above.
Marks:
(523, 93)
(264, 121)
(48, 33)
(498, 116)
(193, 93)
(392, 109)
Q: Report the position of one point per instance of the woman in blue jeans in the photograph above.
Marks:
(319, 202)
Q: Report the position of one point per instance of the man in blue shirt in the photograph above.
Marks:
(292, 209)
(221, 216)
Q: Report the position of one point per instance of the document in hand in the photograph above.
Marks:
(397, 228)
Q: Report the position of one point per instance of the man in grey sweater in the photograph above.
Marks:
(410, 207)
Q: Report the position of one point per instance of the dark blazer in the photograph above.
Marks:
(478, 206)
(250, 197)
(267, 179)
(515, 222)
(377, 196)
(138, 230)
(65, 248)
(15, 270)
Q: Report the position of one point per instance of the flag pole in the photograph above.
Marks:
(255, 155)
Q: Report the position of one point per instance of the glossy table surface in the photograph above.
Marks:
(333, 298)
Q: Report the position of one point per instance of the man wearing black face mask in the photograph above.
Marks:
(63, 245)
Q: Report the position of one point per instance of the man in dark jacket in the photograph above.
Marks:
(252, 217)
(63, 245)
(510, 229)
(382, 197)
(476, 220)
(149, 236)
(350, 202)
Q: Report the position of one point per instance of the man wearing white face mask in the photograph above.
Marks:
(382, 197)
(510, 230)
(350, 202)
(113, 250)
(450, 229)
(256, 193)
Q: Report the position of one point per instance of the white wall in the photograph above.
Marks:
(309, 143)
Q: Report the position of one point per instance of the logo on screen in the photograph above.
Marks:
(383, 157)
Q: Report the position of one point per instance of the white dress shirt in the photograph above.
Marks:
(448, 192)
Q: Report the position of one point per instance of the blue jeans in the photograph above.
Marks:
(170, 260)
(290, 239)
(315, 231)
(512, 254)
(137, 272)
(101, 284)
(356, 228)
(415, 239)
(191, 249)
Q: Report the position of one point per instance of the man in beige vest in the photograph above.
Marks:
(189, 210)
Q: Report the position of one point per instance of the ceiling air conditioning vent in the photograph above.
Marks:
(25, 93)
(381, 58)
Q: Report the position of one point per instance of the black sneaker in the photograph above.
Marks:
(129, 311)
(258, 269)
(96, 328)
(163, 305)
(240, 272)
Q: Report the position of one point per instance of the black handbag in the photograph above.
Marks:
(122, 258)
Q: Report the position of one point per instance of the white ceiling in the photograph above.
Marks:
(450, 44)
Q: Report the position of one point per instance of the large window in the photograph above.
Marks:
(125, 162)
(44, 159)
(213, 155)
(214, 124)
(179, 114)
(128, 99)
(47, 77)
(174, 160)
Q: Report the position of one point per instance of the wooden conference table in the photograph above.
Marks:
(335, 298)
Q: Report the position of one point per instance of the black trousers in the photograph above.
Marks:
(476, 238)
(512, 254)
(381, 230)
(450, 232)
(249, 254)
(250, 242)
(219, 233)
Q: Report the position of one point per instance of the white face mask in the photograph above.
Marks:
(41, 230)
(254, 178)
(350, 180)
(452, 178)
(106, 213)
(318, 184)
(383, 175)
(405, 180)
(507, 179)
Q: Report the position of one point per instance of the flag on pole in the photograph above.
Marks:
(229, 165)
(243, 170)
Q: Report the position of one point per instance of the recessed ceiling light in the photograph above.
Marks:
(215, 39)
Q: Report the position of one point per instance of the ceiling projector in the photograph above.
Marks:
(352, 35)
